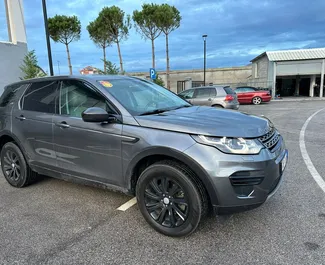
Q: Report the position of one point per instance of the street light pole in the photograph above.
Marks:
(205, 55)
(49, 54)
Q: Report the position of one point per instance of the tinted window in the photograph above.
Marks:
(40, 96)
(228, 90)
(250, 89)
(204, 92)
(76, 97)
(245, 89)
(9, 93)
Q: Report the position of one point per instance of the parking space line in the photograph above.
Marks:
(127, 205)
(313, 171)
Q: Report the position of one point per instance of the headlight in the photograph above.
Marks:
(231, 145)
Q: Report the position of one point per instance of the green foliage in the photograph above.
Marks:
(64, 29)
(115, 22)
(146, 21)
(110, 68)
(169, 18)
(99, 34)
(30, 66)
(159, 81)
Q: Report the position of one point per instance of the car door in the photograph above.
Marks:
(241, 94)
(32, 123)
(84, 149)
(249, 94)
(202, 96)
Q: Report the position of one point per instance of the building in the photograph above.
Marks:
(184, 79)
(13, 51)
(89, 70)
(290, 72)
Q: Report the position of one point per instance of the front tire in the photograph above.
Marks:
(14, 166)
(169, 200)
(256, 100)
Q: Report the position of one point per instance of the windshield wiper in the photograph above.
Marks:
(156, 111)
(183, 106)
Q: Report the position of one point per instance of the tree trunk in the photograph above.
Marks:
(104, 52)
(120, 55)
(69, 59)
(153, 53)
(167, 60)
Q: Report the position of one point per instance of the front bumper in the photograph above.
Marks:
(241, 182)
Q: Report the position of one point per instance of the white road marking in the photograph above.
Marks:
(313, 171)
(127, 205)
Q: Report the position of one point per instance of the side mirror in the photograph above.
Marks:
(97, 115)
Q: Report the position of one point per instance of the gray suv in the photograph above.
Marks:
(213, 96)
(133, 136)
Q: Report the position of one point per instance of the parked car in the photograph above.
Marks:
(252, 95)
(136, 137)
(214, 96)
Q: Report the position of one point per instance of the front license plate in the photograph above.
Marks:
(284, 162)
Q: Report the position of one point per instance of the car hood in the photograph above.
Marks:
(207, 121)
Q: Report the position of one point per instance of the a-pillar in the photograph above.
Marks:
(322, 80)
(312, 85)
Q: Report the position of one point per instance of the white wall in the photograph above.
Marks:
(13, 51)
(12, 56)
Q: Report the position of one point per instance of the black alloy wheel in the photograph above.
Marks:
(11, 165)
(170, 199)
(14, 166)
(166, 202)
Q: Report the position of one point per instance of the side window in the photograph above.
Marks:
(9, 93)
(203, 93)
(213, 92)
(76, 97)
(187, 94)
(40, 97)
(239, 90)
(248, 89)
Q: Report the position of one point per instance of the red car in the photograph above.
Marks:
(252, 95)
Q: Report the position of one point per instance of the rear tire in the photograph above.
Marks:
(256, 100)
(170, 199)
(14, 166)
(217, 106)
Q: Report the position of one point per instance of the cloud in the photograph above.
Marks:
(237, 32)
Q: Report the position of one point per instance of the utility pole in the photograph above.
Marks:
(205, 54)
(49, 54)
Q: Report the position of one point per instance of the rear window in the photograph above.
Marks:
(228, 90)
(40, 97)
(9, 93)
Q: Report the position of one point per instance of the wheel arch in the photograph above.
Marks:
(152, 155)
(7, 137)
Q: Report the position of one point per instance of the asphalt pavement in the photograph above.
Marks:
(56, 222)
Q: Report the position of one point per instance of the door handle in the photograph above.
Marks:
(209, 99)
(21, 117)
(63, 125)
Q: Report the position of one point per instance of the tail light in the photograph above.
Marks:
(229, 98)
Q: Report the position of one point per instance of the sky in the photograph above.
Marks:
(238, 31)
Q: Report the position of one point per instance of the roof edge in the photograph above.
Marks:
(258, 57)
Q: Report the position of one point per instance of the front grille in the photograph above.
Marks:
(270, 139)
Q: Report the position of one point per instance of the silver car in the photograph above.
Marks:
(131, 135)
(213, 96)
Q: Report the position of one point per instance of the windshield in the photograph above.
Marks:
(142, 96)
